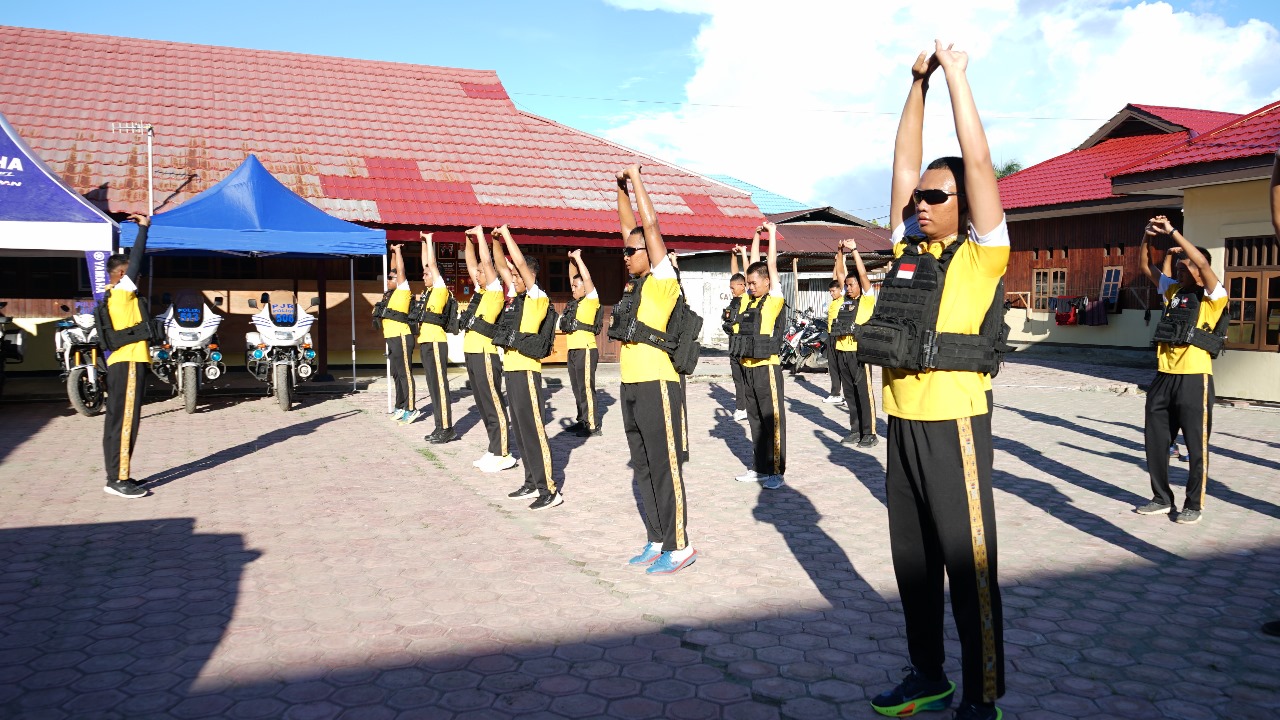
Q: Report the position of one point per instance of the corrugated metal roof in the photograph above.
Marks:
(768, 202)
(374, 142)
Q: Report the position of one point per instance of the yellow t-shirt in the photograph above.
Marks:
(399, 300)
(490, 299)
(1189, 359)
(866, 305)
(972, 276)
(536, 303)
(658, 296)
(584, 339)
(742, 299)
(436, 300)
(770, 309)
(125, 312)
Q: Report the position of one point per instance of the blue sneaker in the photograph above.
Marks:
(915, 694)
(648, 554)
(667, 565)
(398, 415)
(409, 417)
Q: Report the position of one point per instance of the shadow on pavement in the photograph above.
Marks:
(1213, 450)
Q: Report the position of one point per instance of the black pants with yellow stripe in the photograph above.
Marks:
(524, 393)
(435, 366)
(651, 417)
(582, 378)
(126, 383)
(767, 418)
(1179, 402)
(484, 371)
(833, 357)
(942, 522)
(739, 385)
(855, 378)
(400, 356)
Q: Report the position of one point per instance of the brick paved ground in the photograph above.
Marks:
(323, 563)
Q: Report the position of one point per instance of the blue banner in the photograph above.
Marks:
(97, 261)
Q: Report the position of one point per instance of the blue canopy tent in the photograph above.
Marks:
(252, 213)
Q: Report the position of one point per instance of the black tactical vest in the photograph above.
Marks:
(569, 320)
(748, 342)
(729, 316)
(382, 312)
(680, 340)
(845, 322)
(109, 338)
(447, 318)
(536, 345)
(902, 331)
(471, 320)
(1177, 327)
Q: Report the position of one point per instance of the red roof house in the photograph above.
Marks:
(380, 143)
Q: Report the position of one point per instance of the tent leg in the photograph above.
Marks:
(391, 400)
(351, 300)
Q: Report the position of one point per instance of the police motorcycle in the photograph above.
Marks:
(278, 351)
(83, 365)
(188, 353)
(10, 344)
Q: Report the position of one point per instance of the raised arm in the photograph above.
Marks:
(488, 270)
(469, 252)
(733, 261)
(754, 257)
(982, 191)
(774, 278)
(500, 263)
(1194, 256)
(653, 243)
(1144, 251)
(863, 282)
(626, 216)
(430, 269)
(839, 269)
(908, 146)
(139, 250)
(397, 263)
(517, 258)
(587, 286)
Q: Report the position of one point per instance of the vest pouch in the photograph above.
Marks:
(1171, 331)
(688, 344)
(1209, 342)
(538, 345)
(844, 323)
(570, 312)
(956, 351)
(887, 344)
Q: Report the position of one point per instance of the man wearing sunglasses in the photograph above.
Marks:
(948, 221)
(652, 402)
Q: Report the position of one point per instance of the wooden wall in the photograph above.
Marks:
(1083, 245)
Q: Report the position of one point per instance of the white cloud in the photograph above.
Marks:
(793, 71)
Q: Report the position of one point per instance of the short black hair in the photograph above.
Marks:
(1208, 257)
(737, 277)
(534, 265)
(834, 284)
(116, 261)
(637, 230)
(757, 268)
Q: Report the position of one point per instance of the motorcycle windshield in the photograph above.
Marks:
(188, 309)
(283, 309)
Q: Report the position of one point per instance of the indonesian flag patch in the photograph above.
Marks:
(906, 271)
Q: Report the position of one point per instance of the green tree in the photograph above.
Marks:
(1008, 167)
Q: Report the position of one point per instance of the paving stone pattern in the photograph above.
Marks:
(326, 563)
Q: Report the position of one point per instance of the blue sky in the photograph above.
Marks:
(758, 89)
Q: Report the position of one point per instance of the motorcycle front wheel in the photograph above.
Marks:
(84, 397)
(283, 387)
(190, 386)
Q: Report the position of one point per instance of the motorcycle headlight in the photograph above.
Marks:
(162, 354)
(215, 356)
(309, 353)
(258, 354)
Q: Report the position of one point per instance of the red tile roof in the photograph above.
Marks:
(374, 142)
(1082, 175)
(1252, 135)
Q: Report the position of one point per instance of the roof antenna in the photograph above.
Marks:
(141, 128)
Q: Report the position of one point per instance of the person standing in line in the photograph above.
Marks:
(127, 364)
(843, 318)
(433, 344)
(399, 337)
(949, 231)
(1181, 396)
(836, 289)
(652, 403)
(484, 369)
(758, 339)
(729, 322)
(522, 372)
(582, 321)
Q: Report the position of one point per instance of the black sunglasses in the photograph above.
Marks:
(933, 197)
(629, 251)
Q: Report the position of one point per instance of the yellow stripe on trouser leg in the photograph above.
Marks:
(588, 388)
(126, 422)
(440, 382)
(408, 370)
(1204, 439)
(981, 571)
(871, 398)
(536, 403)
(777, 421)
(673, 458)
(497, 404)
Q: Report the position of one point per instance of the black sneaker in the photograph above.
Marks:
(1188, 517)
(576, 427)
(124, 488)
(972, 711)
(914, 694)
(850, 439)
(585, 431)
(431, 437)
(1154, 508)
(868, 441)
(523, 491)
(445, 435)
(1271, 628)
(546, 501)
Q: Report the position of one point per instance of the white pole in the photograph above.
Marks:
(352, 301)
(391, 400)
(151, 196)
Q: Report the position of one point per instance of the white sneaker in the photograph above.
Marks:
(739, 415)
(483, 459)
(833, 399)
(498, 464)
(772, 482)
(748, 476)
